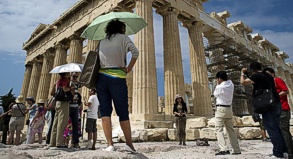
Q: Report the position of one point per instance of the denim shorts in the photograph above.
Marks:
(113, 89)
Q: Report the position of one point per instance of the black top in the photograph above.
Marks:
(264, 81)
(184, 109)
(6, 119)
(76, 93)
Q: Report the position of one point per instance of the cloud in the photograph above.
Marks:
(19, 18)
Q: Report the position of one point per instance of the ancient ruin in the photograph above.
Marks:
(213, 45)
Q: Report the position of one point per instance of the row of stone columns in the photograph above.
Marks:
(38, 81)
(144, 92)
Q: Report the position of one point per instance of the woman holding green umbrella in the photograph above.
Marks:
(111, 84)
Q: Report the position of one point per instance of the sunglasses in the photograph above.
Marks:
(75, 76)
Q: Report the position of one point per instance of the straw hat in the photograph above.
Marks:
(178, 96)
(41, 101)
(19, 99)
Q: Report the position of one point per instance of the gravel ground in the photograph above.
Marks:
(251, 149)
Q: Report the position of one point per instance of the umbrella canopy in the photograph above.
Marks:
(96, 30)
(70, 67)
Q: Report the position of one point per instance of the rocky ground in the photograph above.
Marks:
(152, 150)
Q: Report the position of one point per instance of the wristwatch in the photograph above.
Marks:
(242, 74)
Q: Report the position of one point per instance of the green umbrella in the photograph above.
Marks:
(96, 30)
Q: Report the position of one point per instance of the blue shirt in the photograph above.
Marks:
(32, 112)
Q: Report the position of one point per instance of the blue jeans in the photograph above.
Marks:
(271, 122)
(115, 89)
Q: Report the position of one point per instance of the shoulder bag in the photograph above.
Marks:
(89, 74)
(263, 100)
(60, 95)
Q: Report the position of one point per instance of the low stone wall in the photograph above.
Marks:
(196, 128)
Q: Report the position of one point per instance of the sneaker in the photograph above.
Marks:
(286, 156)
(127, 148)
(109, 148)
(89, 144)
(223, 153)
(266, 140)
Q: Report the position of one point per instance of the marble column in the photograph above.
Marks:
(45, 78)
(174, 80)
(129, 81)
(60, 59)
(26, 79)
(199, 76)
(75, 49)
(35, 78)
(144, 76)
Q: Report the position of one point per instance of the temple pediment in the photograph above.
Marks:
(38, 29)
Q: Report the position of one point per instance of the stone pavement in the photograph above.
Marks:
(153, 150)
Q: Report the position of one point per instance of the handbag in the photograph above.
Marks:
(60, 95)
(50, 104)
(89, 74)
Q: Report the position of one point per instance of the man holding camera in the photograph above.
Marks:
(224, 115)
(264, 81)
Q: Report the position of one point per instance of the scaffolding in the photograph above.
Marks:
(232, 57)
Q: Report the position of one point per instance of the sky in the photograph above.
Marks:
(271, 18)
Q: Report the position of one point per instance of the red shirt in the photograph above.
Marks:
(64, 81)
(281, 86)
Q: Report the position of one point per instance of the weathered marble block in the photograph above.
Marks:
(249, 133)
(192, 134)
(172, 134)
(193, 123)
(208, 133)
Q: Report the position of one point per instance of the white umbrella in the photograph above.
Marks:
(70, 67)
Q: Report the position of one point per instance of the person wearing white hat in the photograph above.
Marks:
(16, 124)
(37, 123)
(180, 111)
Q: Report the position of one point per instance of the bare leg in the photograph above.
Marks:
(125, 126)
(10, 137)
(106, 122)
(17, 138)
(94, 140)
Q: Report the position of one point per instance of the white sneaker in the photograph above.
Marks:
(127, 148)
(109, 148)
(286, 156)
(89, 144)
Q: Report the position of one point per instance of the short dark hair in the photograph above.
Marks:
(94, 90)
(271, 70)
(114, 27)
(255, 66)
(62, 74)
(222, 75)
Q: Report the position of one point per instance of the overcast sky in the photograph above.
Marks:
(271, 18)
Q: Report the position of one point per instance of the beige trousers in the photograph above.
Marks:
(60, 123)
(224, 119)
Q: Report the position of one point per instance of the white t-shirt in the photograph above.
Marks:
(93, 109)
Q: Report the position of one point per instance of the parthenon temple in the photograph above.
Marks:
(214, 45)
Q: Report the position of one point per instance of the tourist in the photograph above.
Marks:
(68, 133)
(262, 81)
(263, 130)
(38, 122)
(6, 117)
(180, 111)
(61, 113)
(16, 124)
(49, 117)
(224, 114)
(111, 83)
(91, 121)
(74, 106)
(32, 107)
(285, 116)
